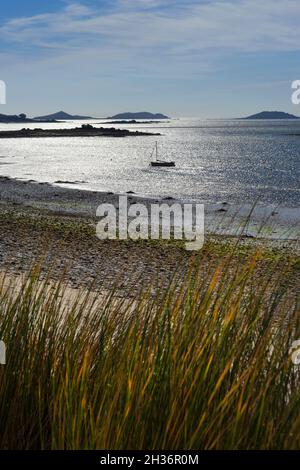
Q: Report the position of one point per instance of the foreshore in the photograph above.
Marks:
(56, 227)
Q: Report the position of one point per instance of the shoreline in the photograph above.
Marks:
(271, 223)
(67, 246)
(55, 227)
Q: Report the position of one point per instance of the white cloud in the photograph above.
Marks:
(244, 25)
(76, 9)
(187, 38)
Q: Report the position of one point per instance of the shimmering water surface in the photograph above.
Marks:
(234, 161)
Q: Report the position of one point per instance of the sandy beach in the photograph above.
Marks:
(56, 226)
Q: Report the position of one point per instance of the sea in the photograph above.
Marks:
(237, 162)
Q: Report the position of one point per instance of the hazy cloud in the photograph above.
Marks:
(187, 27)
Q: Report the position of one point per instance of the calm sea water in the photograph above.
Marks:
(234, 161)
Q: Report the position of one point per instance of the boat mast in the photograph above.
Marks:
(156, 151)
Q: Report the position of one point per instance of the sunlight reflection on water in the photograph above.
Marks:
(235, 161)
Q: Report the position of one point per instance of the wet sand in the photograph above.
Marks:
(69, 198)
(56, 226)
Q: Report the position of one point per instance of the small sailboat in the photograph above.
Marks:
(158, 162)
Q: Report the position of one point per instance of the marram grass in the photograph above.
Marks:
(203, 365)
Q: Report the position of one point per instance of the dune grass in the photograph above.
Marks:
(204, 364)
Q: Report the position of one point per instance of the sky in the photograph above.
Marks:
(188, 58)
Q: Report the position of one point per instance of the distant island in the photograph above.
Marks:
(18, 118)
(141, 115)
(272, 115)
(61, 116)
(86, 130)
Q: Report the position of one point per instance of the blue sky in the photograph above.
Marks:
(202, 58)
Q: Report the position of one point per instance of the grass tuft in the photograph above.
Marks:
(201, 365)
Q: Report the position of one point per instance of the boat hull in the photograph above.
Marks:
(168, 164)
